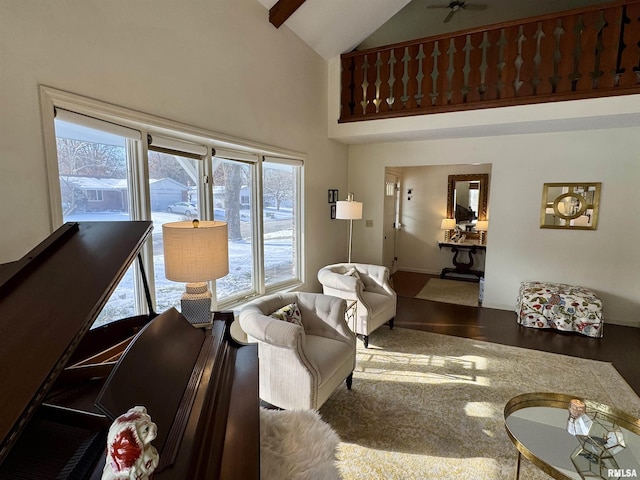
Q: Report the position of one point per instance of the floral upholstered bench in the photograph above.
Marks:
(560, 306)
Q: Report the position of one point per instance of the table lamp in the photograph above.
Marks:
(349, 210)
(482, 226)
(196, 252)
(447, 225)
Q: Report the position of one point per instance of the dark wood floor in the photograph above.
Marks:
(620, 345)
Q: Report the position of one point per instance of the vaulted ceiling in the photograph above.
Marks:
(332, 27)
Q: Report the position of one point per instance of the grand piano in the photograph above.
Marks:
(63, 383)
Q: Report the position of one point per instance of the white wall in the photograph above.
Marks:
(218, 65)
(417, 247)
(605, 260)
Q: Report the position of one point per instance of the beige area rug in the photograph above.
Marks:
(429, 406)
(450, 291)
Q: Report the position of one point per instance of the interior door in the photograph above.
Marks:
(390, 221)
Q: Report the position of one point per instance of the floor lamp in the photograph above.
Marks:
(349, 210)
(196, 252)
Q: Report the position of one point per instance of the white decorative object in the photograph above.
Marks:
(130, 454)
(297, 445)
(579, 423)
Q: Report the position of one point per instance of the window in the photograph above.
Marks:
(233, 184)
(105, 171)
(92, 173)
(280, 185)
(173, 196)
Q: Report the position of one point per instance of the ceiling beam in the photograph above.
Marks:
(282, 10)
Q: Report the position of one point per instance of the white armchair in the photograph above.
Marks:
(300, 365)
(376, 299)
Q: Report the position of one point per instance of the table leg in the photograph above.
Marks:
(517, 477)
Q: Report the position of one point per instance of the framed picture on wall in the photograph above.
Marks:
(333, 211)
(333, 196)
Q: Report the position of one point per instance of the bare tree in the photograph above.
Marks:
(233, 186)
(278, 184)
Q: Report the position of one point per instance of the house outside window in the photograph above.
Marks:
(110, 176)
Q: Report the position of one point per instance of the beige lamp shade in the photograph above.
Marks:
(348, 210)
(448, 224)
(195, 251)
(482, 225)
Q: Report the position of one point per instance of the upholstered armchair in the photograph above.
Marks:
(305, 353)
(369, 286)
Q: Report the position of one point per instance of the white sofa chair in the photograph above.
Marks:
(371, 288)
(300, 366)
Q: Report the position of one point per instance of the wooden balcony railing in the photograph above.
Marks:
(585, 53)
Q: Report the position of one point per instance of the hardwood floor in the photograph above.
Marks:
(620, 345)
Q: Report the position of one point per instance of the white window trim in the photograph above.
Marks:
(229, 146)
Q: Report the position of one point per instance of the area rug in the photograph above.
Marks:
(430, 406)
(297, 445)
(450, 291)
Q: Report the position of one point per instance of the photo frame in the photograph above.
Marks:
(333, 211)
(333, 195)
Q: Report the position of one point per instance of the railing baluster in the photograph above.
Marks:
(377, 100)
(392, 80)
(420, 76)
(405, 78)
(435, 54)
(365, 85)
(484, 65)
(537, 59)
(502, 44)
(587, 52)
(466, 69)
(451, 69)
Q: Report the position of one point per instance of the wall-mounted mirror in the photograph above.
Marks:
(467, 201)
(570, 205)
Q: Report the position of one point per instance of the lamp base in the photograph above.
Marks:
(196, 304)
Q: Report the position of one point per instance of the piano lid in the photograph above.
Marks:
(48, 301)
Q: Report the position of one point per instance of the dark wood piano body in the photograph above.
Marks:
(53, 369)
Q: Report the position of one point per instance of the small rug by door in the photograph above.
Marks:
(297, 445)
(450, 291)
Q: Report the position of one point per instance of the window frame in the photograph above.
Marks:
(140, 208)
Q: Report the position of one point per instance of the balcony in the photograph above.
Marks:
(584, 53)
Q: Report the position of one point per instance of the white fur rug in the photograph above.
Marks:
(297, 445)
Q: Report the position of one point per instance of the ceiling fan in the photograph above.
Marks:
(457, 5)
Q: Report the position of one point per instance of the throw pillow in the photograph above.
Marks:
(289, 313)
(354, 273)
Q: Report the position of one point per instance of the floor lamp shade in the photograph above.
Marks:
(195, 253)
(349, 210)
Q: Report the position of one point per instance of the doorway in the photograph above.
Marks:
(390, 220)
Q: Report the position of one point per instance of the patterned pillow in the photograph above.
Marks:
(289, 313)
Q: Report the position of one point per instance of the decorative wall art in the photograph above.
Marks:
(570, 205)
(333, 196)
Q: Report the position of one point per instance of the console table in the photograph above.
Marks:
(462, 267)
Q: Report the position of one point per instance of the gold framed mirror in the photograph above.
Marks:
(570, 205)
(467, 201)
